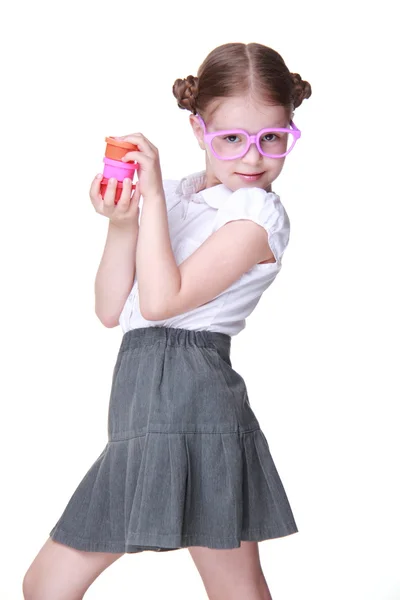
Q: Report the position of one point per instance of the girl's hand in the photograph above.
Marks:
(149, 171)
(123, 214)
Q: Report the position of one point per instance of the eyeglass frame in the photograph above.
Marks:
(251, 139)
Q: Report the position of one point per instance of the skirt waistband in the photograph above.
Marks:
(173, 336)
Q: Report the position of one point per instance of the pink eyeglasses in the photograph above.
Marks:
(234, 143)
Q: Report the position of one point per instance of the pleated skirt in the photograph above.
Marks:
(186, 463)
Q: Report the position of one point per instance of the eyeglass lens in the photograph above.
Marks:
(273, 143)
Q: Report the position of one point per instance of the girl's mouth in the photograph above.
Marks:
(250, 176)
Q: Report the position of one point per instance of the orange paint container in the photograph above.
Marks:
(116, 149)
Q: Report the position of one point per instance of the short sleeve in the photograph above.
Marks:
(264, 208)
(171, 197)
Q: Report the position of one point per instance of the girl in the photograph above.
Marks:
(186, 464)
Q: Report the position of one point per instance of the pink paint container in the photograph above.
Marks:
(118, 169)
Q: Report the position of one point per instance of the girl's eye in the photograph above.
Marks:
(232, 138)
(267, 137)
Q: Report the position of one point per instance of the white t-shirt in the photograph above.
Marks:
(193, 216)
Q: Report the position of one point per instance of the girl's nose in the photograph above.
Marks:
(252, 156)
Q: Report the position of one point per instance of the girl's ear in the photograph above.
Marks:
(197, 130)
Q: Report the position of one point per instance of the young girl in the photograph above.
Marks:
(186, 464)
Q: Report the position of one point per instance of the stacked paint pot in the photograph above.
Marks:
(115, 167)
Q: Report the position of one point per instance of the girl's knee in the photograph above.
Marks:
(35, 587)
(60, 572)
(27, 586)
(32, 586)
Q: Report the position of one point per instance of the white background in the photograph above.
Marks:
(320, 352)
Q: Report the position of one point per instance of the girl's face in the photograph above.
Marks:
(252, 116)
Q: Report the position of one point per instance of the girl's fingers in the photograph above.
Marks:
(109, 197)
(95, 194)
(149, 144)
(141, 158)
(124, 138)
(132, 155)
(133, 138)
(140, 140)
(135, 197)
(152, 146)
(95, 186)
(124, 202)
(107, 205)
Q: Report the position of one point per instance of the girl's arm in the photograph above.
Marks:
(158, 276)
(116, 272)
(166, 290)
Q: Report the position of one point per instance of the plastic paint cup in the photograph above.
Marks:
(116, 149)
(118, 169)
(118, 192)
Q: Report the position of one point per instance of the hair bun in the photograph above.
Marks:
(301, 89)
(186, 91)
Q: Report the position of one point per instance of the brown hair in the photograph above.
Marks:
(233, 69)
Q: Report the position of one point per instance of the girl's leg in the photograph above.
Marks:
(231, 574)
(62, 573)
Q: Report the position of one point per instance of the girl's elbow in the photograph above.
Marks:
(152, 313)
(111, 323)
(108, 320)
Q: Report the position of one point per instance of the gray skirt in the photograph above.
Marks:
(186, 463)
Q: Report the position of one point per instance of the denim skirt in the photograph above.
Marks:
(186, 463)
